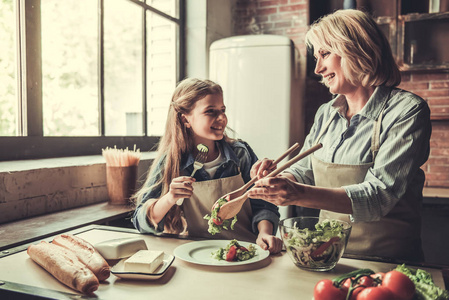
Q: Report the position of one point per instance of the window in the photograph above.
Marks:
(80, 75)
(8, 76)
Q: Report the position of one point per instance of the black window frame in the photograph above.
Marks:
(31, 144)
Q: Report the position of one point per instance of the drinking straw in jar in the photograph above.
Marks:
(121, 157)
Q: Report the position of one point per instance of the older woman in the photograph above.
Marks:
(375, 139)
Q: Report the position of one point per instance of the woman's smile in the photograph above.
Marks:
(328, 78)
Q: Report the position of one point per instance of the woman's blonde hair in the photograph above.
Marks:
(366, 56)
(176, 141)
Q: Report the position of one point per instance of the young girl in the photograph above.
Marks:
(197, 115)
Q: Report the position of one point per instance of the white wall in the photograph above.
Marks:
(206, 22)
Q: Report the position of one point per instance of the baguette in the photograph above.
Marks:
(86, 253)
(65, 266)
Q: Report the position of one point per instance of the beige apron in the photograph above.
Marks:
(205, 193)
(396, 235)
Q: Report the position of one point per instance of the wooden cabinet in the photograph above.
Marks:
(423, 40)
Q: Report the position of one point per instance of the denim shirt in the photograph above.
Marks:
(239, 157)
(404, 148)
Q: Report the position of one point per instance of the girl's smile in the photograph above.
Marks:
(208, 120)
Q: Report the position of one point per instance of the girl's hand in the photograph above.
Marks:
(262, 168)
(269, 242)
(266, 240)
(279, 190)
(180, 187)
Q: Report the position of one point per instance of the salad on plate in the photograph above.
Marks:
(235, 252)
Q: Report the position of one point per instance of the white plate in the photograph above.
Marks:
(200, 252)
(118, 270)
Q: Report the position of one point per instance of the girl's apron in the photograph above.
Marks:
(205, 193)
(396, 235)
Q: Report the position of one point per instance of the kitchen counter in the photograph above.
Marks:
(28, 230)
(274, 277)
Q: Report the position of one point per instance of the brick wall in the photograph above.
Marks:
(287, 18)
(280, 17)
(434, 88)
(291, 18)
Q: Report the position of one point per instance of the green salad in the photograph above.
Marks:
(425, 288)
(319, 247)
(235, 252)
(216, 225)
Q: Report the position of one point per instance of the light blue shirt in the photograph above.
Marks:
(404, 148)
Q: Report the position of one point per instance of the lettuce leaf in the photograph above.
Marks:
(425, 287)
(214, 228)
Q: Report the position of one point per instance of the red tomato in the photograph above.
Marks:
(217, 222)
(363, 282)
(376, 293)
(323, 247)
(399, 284)
(379, 275)
(366, 281)
(232, 253)
(326, 290)
(356, 291)
(347, 284)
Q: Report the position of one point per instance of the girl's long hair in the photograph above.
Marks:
(176, 141)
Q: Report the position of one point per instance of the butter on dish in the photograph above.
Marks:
(120, 248)
(144, 261)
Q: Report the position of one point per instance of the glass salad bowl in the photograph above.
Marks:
(314, 243)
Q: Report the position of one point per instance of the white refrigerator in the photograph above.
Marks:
(259, 75)
(262, 91)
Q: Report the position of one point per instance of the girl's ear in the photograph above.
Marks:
(185, 121)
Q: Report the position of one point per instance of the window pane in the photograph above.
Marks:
(8, 76)
(69, 67)
(170, 7)
(162, 55)
(123, 67)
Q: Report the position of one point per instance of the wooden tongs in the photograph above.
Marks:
(233, 206)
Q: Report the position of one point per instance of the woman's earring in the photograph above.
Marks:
(187, 125)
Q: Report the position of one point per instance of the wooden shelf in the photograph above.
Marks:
(429, 192)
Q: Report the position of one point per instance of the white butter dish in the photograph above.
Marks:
(119, 270)
(120, 248)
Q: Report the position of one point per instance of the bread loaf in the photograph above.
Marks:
(86, 253)
(65, 266)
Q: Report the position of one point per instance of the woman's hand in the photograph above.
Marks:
(284, 190)
(262, 168)
(269, 242)
(280, 190)
(180, 187)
